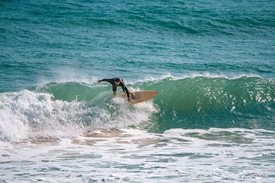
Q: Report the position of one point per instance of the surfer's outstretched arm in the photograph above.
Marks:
(107, 80)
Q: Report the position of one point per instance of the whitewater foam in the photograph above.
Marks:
(28, 114)
(25, 114)
(192, 75)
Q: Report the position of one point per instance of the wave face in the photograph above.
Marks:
(203, 102)
(68, 109)
(197, 102)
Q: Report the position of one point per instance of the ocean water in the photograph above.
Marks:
(212, 62)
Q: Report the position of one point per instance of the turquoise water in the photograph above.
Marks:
(212, 62)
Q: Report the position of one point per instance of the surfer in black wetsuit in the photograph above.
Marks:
(115, 82)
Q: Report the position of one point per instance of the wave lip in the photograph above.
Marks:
(201, 102)
(191, 101)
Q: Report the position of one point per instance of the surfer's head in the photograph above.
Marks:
(117, 81)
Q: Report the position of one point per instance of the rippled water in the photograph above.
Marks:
(131, 155)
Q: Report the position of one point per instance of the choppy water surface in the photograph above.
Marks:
(135, 156)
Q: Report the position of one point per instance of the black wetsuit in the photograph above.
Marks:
(121, 84)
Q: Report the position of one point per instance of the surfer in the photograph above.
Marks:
(115, 82)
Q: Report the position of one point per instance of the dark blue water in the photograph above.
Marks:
(46, 41)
